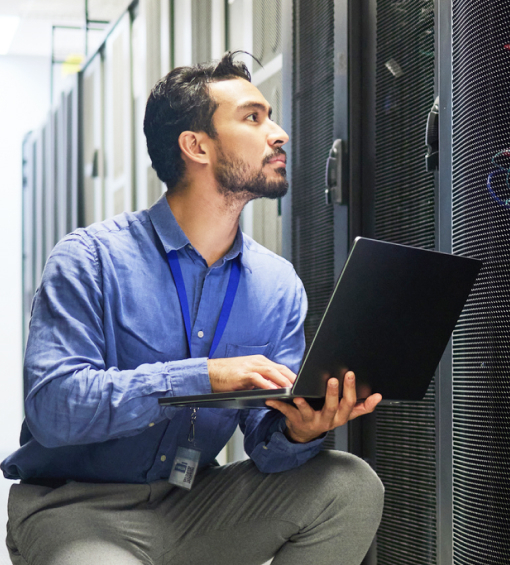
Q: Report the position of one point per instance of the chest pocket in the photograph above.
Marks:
(233, 350)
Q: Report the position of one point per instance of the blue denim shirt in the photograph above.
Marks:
(107, 339)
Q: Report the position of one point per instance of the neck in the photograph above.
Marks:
(209, 220)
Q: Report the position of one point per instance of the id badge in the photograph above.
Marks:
(184, 467)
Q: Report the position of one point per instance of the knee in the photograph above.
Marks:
(351, 480)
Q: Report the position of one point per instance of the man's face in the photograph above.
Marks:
(249, 157)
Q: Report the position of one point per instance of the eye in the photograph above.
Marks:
(253, 117)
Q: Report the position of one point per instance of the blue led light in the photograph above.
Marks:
(499, 171)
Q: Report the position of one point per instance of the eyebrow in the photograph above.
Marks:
(258, 105)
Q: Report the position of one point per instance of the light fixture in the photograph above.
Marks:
(8, 27)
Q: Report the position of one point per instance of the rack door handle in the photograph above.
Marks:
(335, 191)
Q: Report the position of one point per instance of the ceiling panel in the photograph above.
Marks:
(33, 36)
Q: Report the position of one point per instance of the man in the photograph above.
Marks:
(109, 336)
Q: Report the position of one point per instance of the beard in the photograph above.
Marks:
(235, 179)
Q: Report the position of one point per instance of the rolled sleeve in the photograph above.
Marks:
(72, 396)
(267, 445)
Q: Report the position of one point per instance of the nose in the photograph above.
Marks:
(277, 136)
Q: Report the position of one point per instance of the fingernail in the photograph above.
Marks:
(333, 383)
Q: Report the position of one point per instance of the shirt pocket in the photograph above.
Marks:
(233, 350)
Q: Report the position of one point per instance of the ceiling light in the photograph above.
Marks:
(8, 27)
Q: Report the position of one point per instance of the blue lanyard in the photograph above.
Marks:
(228, 301)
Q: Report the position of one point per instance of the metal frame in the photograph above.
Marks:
(86, 28)
(444, 390)
(341, 130)
(287, 66)
(27, 264)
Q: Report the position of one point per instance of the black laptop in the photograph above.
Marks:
(389, 320)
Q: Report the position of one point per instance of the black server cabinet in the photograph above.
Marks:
(480, 219)
(315, 82)
(398, 204)
(368, 72)
(445, 460)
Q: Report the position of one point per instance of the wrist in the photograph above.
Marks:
(294, 437)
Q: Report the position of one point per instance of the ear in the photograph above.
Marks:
(194, 146)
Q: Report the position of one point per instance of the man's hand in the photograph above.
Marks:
(243, 373)
(306, 424)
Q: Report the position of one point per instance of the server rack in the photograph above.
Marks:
(480, 221)
(399, 198)
(119, 153)
(316, 114)
(92, 139)
(444, 460)
(267, 48)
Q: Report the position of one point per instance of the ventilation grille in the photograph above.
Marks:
(312, 120)
(267, 225)
(201, 14)
(481, 229)
(267, 38)
(404, 199)
(404, 213)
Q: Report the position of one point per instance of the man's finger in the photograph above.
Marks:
(306, 411)
(349, 389)
(348, 400)
(366, 407)
(256, 380)
(287, 372)
(283, 407)
(273, 374)
(331, 402)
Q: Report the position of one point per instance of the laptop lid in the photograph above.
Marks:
(389, 320)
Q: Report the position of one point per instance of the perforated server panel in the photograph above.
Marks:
(201, 16)
(267, 25)
(481, 228)
(267, 48)
(312, 120)
(312, 124)
(404, 213)
(267, 228)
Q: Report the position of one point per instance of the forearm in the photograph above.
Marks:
(88, 405)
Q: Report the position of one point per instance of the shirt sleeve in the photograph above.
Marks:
(264, 438)
(72, 398)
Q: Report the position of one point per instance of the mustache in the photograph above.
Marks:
(278, 151)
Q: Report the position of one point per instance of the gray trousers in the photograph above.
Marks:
(325, 512)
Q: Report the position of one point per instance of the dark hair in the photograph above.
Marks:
(179, 102)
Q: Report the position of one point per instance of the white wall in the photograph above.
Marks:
(24, 104)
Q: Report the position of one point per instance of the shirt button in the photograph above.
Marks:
(163, 458)
(190, 246)
(200, 334)
(151, 424)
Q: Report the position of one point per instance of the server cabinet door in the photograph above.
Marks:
(480, 217)
(396, 56)
(146, 53)
(73, 177)
(118, 121)
(93, 142)
(266, 220)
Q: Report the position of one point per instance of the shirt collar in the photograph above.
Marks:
(172, 236)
